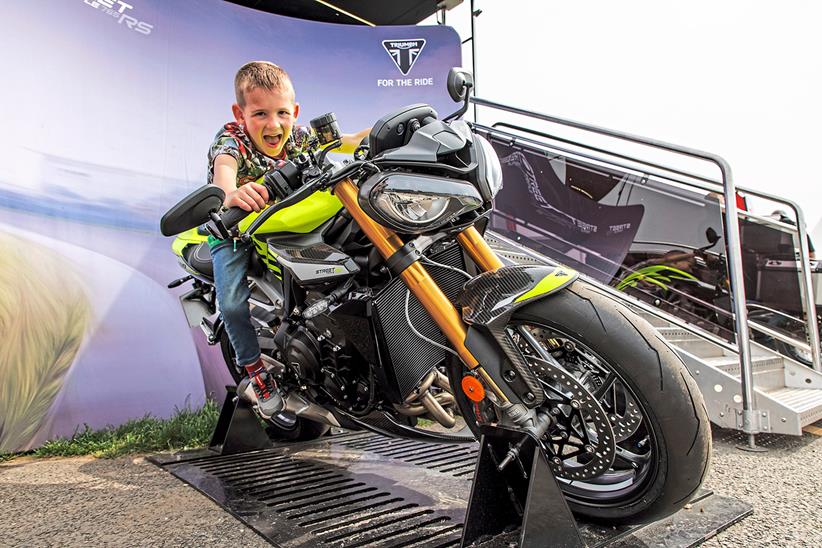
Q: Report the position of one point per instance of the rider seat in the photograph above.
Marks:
(198, 258)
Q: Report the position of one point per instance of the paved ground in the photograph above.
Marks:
(130, 502)
(121, 502)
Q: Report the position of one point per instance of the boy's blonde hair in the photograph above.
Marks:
(44, 316)
(260, 74)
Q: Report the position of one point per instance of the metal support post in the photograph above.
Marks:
(524, 495)
(750, 417)
(474, 15)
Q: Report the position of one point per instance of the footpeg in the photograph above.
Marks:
(180, 281)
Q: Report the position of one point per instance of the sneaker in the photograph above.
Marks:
(269, 400)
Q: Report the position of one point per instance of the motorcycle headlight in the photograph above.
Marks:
(489, 170)
(416, 203)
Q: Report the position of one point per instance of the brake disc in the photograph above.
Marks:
(625, 422)
(581, 425)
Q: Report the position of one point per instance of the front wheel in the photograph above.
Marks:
(630, 440)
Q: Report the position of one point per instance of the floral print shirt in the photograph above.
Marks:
(251, 163)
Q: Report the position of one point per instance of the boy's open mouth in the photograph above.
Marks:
(272, 140)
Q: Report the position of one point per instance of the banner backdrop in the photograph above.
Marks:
(109, 108)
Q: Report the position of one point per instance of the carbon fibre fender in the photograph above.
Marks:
(488, 301)
(493, 294)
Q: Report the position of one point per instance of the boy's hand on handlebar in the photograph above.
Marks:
(249, 197)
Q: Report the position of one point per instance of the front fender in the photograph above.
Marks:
(492, 295)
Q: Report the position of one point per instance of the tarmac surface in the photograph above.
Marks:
(130, 502)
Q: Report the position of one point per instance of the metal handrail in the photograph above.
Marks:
(806, 281)
(536, 144)
(750, 417)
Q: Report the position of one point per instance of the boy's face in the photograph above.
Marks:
(268, 116)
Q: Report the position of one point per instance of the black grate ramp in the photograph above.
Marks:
(315, 495)
(456, 460)
(362, 489)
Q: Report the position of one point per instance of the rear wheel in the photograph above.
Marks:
(284, 426)
(630, 437)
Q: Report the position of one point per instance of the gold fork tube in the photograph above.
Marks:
(478, 249)
(420, 282)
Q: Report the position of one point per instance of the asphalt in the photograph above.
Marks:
(131, 502)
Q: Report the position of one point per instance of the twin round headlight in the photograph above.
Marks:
(414, 203)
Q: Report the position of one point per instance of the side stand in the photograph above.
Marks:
(238, 429)
(525, 495)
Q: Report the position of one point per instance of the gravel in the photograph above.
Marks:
(121, 502)
(784, 486)
(130, 502)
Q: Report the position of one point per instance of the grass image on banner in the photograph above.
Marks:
(44, 315)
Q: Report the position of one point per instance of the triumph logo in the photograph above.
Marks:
(404, 52)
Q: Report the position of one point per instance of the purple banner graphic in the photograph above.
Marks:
(548, 203)
(110, 107)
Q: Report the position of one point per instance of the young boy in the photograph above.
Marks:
(242, 152)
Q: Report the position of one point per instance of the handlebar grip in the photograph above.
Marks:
(233, 216)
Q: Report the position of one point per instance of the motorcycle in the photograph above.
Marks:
(694, 285)
(378, 303)
(691, 284)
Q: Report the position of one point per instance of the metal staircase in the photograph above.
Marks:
(787, 395)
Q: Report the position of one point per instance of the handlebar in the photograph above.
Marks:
(222, 225)
(233, 216)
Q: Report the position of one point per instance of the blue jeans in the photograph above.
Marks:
(230, 271)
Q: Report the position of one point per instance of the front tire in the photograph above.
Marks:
(660, 459)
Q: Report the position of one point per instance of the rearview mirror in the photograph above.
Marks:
(193, 210)
(459, 82)
(712, 236)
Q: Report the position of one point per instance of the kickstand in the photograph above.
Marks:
(238, 429)
(503, 501)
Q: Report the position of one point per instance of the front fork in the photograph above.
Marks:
(420, 282)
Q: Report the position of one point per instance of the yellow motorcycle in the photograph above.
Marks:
(378, 302)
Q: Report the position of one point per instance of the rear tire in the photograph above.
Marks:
(285, 426)
(674, 426)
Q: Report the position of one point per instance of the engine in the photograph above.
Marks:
(328, 365)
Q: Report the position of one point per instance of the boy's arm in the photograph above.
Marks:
(249, 197)
(350, 141)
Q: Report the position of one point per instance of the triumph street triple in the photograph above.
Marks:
(378, 302)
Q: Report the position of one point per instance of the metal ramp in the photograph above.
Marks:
(788, 395)
(362, 489)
